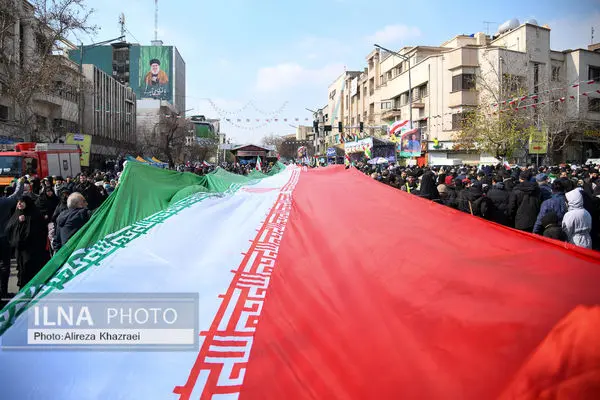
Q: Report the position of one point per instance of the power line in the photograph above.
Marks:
(132, 35)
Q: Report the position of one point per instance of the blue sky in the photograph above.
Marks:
(287, 52)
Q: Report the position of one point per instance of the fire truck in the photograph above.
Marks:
(39, 160)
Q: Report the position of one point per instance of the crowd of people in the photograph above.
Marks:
(560, 202)
(38, 216)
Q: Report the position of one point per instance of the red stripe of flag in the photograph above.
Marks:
(411, 314)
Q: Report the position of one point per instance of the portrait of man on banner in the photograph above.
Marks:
(156, 81)
(156, 73)
(410, 143)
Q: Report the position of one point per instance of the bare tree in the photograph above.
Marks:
(273, 140)
(493, 126)
(30, 65)
(197, 152)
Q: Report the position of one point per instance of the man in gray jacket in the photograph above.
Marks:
(7, 205)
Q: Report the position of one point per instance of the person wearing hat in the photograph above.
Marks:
(545, 189)
(156, 76)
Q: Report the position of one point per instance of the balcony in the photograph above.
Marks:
(463, 98)
(462, 57)
(391, 114)
(418, 104)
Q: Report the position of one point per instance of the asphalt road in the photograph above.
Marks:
(12, 282)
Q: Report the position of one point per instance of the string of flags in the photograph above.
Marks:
(267, 120)
(535, 96)
(250, 104)
(257, 123)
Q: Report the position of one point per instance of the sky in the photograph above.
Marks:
(266, 59)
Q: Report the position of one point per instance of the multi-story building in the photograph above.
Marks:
(38, 100)
(304, 133)
(109, 115)
(450, 81)
(153, 72)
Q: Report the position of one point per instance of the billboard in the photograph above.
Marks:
(84, 142)
(410, 143)
(156, 73)
(538, 141)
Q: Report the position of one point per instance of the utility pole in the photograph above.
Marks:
(155, 19)
(410, 97)
(122, 23)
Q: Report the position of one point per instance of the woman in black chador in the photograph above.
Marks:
(27, 232)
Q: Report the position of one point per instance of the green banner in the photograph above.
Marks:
(156, 73)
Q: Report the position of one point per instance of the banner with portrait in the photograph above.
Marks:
(156, 73)
(410, 143)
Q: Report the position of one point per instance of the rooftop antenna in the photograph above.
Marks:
(592, 35)
(156, 42)
(122, 23)
(487, 26)
(156, 20)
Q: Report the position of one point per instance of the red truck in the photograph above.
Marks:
(39, 159)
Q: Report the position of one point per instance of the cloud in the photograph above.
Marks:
(393, 35)
(315, 47)
(573, 32)
(285, 76)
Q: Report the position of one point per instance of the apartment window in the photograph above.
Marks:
(398, 69)
(424, 90)
(536, 77)
(381, 79)
(416, 94)
(555, 73)
(513, 85)
(3, 113)
(594, 104)
(463, 82)
(403, 99)
(389, 75)
(386, 105)
(594, 73)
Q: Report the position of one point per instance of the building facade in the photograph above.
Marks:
(52, 110)
(153, 72)
(466, 73)
(109, 114)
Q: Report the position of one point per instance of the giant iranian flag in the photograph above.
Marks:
(321, 284)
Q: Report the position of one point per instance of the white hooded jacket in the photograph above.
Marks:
(577, 222)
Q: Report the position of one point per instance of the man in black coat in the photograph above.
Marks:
(524, 203)
(499, 197)
(71, 220)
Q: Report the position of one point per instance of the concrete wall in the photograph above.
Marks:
(179, 86)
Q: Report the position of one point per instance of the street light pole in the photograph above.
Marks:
(410, 98)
